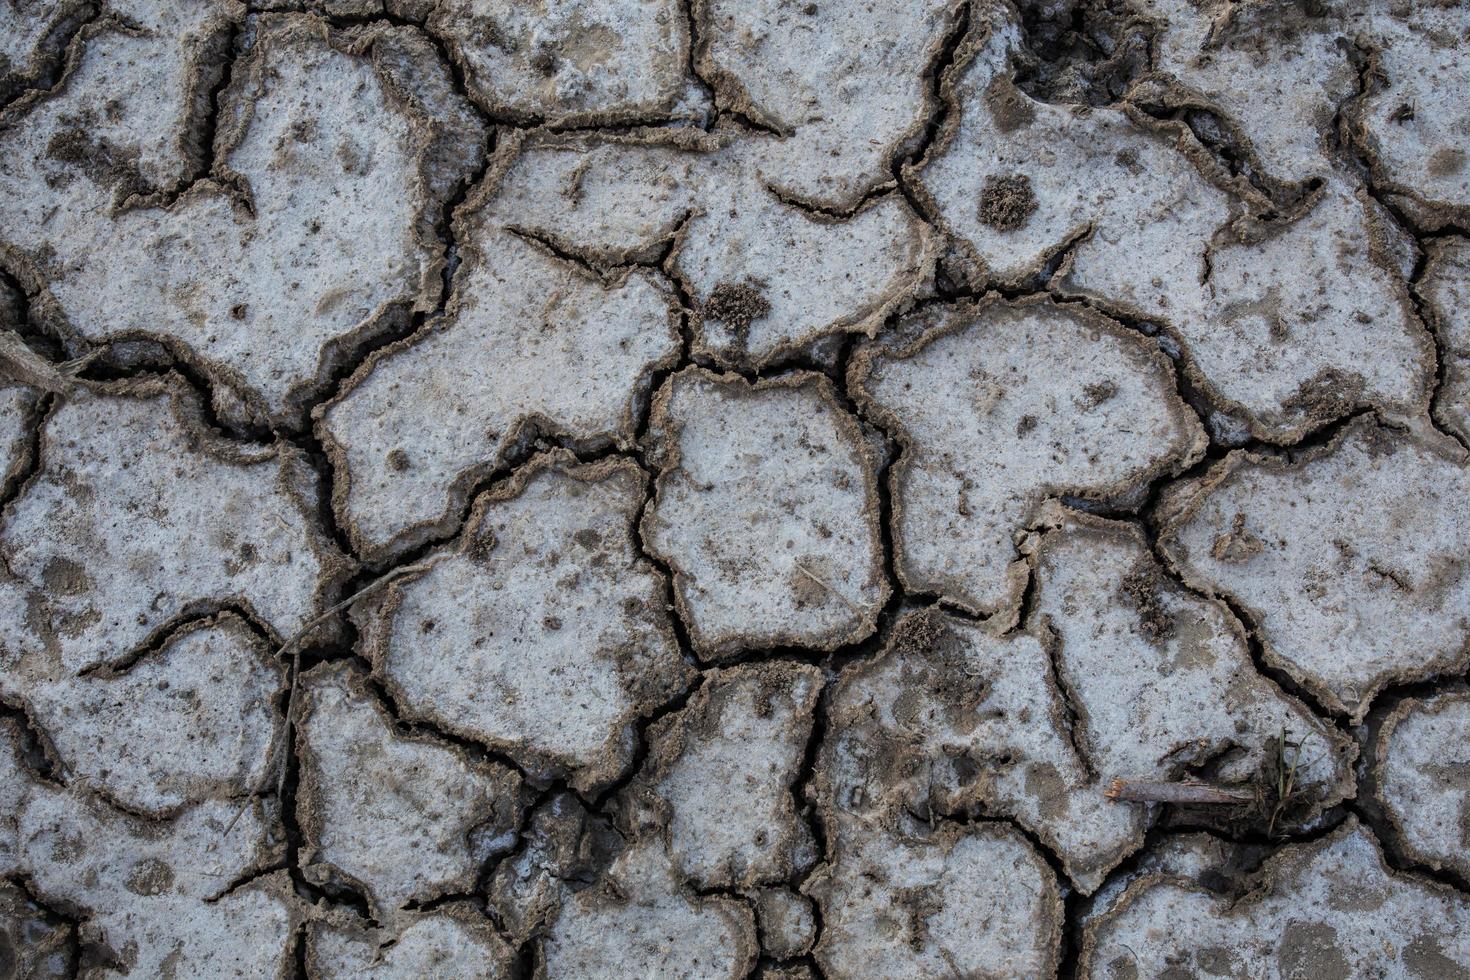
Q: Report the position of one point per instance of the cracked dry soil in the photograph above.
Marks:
(735, 488)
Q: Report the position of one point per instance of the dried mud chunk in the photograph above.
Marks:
(31, 39)
(1275, 72)
(610, 200)
(1089, 168)
(531, 344)
(17, 423)
(455, 940)
(638, 921)
(1423, 779)
(787, 925)
(1000, 405)
(401, 817)
(967, 901)
(1420, 155)
(340, 169)
(451, 127)
(123, 117)
(603, 62)
(1199, 858)
(566, 849)
(613, 200)
(1363, 546)
(1333, 307)
(1331, 908)
(770, 525)
(191, 721)
(844, 82)
(1162, 680)
(953, 719)
(1152, 234)
(154, 896)
(140, 516)
(34, 943)
(719, 776)
(545, 633)
(821, 276)
(1445, 288)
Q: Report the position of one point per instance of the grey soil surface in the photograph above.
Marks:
(735, 489)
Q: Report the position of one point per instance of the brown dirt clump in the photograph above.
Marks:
(1007, 202)
(1095, 394)
(1008, 106)
(1141, 587)
(1237, 545)
(104, 163)
(920, 633)
(1329, 394)
(737, 305)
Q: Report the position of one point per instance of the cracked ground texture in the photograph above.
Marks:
(735, 488)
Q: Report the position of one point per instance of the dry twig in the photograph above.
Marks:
(1185, 791)
(278, 746)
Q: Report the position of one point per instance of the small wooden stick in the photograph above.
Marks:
(19, 363)
(860, 610)
(294, 645)
(1183, 791)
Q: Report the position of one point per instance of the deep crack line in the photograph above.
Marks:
(1081, 35)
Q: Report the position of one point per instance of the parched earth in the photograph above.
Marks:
(735, 488)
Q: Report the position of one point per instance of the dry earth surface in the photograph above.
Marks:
(735, 488)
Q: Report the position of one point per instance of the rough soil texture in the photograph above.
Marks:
(544, 633)
(1422, 778)
(766, 511)
(1329, 908)
(735, 489)
(1361, 543)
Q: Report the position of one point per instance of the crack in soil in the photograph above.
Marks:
(1210, 129)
